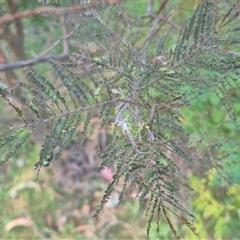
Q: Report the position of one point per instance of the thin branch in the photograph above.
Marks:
(151, 31)
(77, 110)
(222, 24)
(9, 18)
(32, 62)
(150, 7)
(149, 14)
(40, 58)
(65, 34)
(157, 26)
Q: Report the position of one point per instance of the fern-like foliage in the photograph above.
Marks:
(136, 81)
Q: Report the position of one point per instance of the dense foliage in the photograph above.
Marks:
(156, 84)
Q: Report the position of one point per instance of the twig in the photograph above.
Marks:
(222, 24)
(9, 18)
(40, 58)
(75, 111)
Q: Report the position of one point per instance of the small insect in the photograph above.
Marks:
(101, 61)
(48, 160)
(3, 89)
